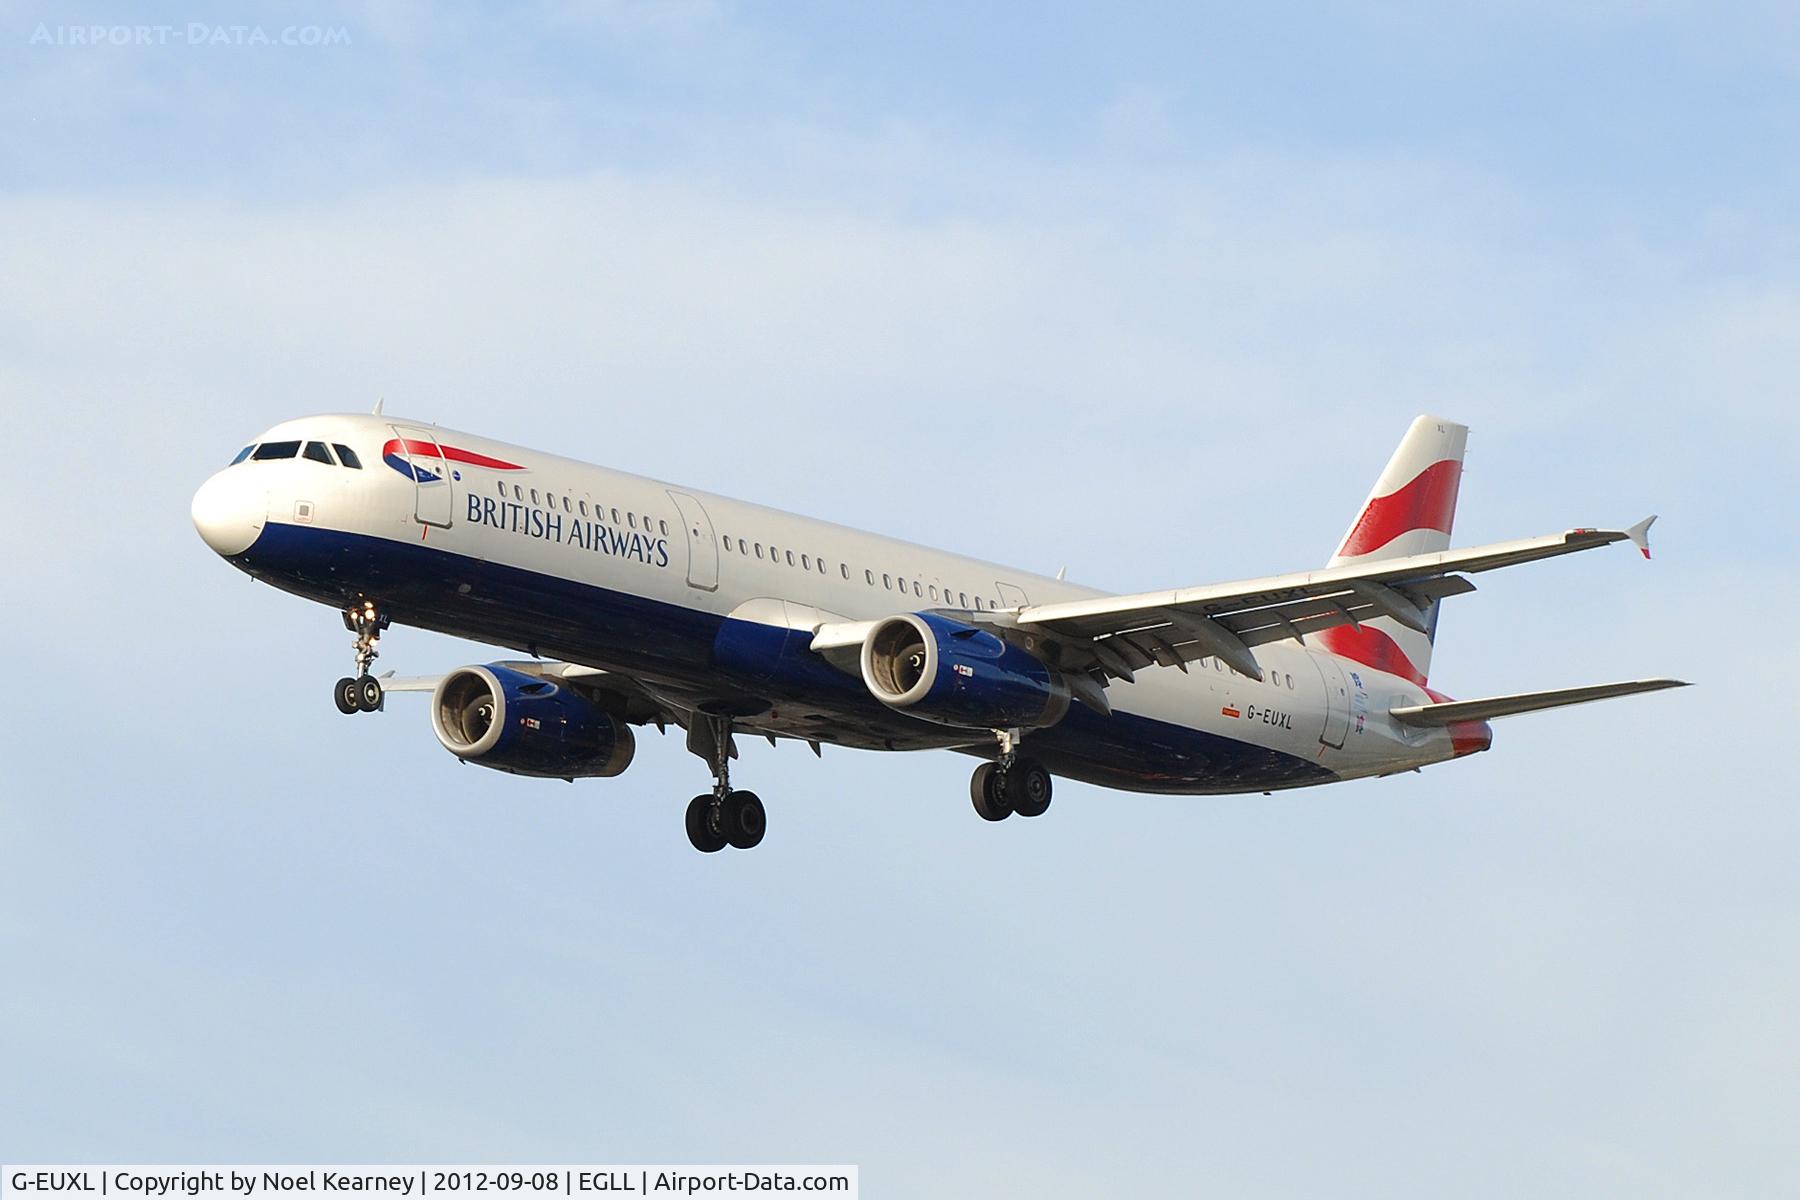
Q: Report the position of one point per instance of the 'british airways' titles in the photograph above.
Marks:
(577, 532)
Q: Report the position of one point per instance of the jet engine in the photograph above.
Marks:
(955, 674)
(497, 717)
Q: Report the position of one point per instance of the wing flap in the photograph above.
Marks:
(1439, 715)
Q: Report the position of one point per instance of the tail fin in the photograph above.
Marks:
(1410, 511)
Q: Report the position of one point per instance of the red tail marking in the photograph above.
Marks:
(1428, 502)
(1371, 648)
(1470, 737)
(1466, 737)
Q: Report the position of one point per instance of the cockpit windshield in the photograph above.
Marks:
(319, 452)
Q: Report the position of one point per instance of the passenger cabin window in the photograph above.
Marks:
(318, 453)
(845, 568)
(934, 593)
(534, 496)
(582, 506)
(917, 590)
(517, 494)
(242, 454)
(501, 488)
(759, 549)
(347, 456)
(869, 575)
(887, 581)
(805, 563)
(616, 520)
(790, 558)
(272, 450)
(664, 526)
(631, 519)
(567, 507)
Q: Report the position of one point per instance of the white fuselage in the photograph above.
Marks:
(501, 516)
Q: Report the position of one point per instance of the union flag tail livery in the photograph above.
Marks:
(646, 606)
(1410, 511)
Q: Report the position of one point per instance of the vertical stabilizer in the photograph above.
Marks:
(1409, 511)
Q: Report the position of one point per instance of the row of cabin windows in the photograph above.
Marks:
(1272, 678)
(807, 562)
(631, 520)
(316, 451)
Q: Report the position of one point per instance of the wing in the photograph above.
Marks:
(1116, 636)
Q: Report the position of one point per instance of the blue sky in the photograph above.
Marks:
(1149, 293)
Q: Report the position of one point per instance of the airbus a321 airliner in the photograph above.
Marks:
(645, 603)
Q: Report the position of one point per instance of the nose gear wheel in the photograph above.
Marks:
(362, 692)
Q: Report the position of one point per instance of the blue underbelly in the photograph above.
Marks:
(431, 588)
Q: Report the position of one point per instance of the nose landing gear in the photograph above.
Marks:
(723, 817)
(362, 693)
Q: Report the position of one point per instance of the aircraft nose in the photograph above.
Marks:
(229, 510)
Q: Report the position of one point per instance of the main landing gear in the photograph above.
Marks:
(1011, 784)
(363, 692)
(723, 818)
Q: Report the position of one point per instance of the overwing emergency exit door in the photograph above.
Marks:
(703, 546)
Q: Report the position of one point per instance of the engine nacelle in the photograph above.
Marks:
(497, 717)
(954, 674)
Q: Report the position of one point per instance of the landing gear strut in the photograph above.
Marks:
(724, 817)
(362, 693)
(1010, 784)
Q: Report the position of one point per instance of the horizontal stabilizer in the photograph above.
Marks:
(1522, 702)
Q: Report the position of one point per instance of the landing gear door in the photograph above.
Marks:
(416, 452)
(1337, 700)
(702, 544)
